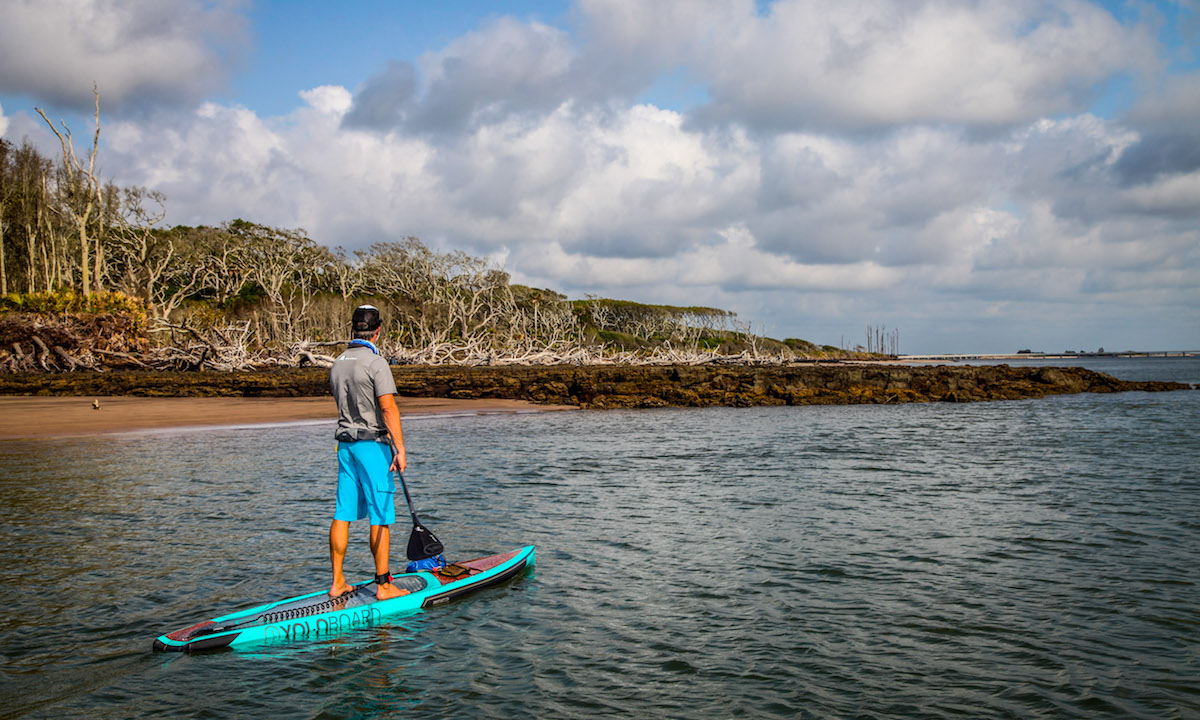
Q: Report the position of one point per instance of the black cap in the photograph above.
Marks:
(366, 318)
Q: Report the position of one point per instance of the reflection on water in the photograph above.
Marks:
(1024, 559)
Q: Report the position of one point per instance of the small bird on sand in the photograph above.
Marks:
(96, 404)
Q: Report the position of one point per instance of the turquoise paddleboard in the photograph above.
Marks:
(316, 615)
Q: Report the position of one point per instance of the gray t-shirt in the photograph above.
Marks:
(357, 379)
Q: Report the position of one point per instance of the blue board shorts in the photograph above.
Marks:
(365, 488)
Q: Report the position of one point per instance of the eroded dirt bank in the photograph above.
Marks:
(619, 386)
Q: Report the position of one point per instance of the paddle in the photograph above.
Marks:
(422, 543)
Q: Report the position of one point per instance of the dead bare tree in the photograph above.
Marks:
(882, 341)
(345, 275)
(287, 266)
(82, 193)
(225, 348)
(142, 254)
(223, 257)
(7, 190)
(28, 184)
(472, 290)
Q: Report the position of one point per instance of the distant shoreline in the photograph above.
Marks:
(1004, 357)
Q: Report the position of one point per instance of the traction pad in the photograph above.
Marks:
(454, 570)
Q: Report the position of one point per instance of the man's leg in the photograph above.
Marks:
(351, 505)
(381, 542)
(339, 538)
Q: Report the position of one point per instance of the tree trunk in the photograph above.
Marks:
(3, 271)
(98, 271)
(30, 246)
(83, 250)
(46, 266)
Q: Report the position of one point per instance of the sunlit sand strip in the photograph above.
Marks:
(30, 418)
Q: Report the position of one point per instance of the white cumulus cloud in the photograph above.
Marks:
(870, 64)
(909, 163)
(135, 51)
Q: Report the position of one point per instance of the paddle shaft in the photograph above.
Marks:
(421, 542)
(403, 486)
(407, 499)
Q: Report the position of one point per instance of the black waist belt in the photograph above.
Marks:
(356, 435)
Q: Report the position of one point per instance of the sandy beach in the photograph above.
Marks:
(26, 417)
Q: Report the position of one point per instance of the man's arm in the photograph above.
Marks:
(391, 420)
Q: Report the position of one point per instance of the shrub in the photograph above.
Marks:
(62, 302)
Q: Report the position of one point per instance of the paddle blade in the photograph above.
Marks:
(422, 543)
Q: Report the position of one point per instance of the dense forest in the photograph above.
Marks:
(91, 278)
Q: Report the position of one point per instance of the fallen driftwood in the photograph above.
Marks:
(31, 342)
(446, 354)
(126, 357)
(72, 345)
(72, 363)
(45, 352)
(306, 358)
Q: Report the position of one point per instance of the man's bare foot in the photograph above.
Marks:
(336, 591)
(387, 591)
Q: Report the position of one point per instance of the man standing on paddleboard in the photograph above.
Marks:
(370, 445)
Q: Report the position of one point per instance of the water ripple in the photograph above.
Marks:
(1027, 559)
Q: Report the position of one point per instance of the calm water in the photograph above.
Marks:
(1174, 369)
(1012, 560)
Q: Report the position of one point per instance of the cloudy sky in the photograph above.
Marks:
(982, 175)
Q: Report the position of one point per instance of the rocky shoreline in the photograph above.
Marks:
(617, 386)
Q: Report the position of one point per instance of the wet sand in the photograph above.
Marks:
(25, 417)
